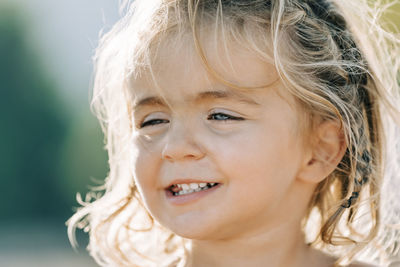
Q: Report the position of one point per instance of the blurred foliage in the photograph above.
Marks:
(83, 161)
(47, 152)
(34, 124)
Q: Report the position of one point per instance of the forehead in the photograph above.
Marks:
(176, 69)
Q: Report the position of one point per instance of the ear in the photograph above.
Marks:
(328, 146)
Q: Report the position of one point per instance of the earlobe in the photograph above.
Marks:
(326, 151)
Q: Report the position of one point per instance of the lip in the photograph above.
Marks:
(189, 198)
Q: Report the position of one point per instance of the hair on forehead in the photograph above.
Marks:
(219, 22)
(214, 40)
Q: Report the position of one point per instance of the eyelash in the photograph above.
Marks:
(153, 122)
(212, 116)
(227, 117)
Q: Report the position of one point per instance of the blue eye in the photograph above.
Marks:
(153, 122)
(223, 117)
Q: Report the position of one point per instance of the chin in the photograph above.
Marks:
(198, 230)
(199, 233)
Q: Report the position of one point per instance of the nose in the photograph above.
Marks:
(181, 144)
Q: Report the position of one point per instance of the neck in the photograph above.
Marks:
(282, 246)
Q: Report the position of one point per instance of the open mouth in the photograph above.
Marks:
(185, 189)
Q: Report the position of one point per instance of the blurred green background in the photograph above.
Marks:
(50, 144)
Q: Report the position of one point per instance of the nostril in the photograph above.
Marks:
(182, 151)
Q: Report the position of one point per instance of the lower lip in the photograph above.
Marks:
(189, 198)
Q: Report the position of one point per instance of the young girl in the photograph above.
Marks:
(246, 133)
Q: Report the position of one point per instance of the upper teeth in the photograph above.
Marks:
(192, 187)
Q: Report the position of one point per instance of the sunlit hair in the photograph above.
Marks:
(332, 56)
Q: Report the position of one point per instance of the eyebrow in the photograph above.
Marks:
(201, 97)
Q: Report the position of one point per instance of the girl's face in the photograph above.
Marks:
(242, 150)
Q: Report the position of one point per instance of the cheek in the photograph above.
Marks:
(257, 147)
(262, 158)
(145, 169)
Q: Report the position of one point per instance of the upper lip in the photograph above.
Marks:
(190, 180)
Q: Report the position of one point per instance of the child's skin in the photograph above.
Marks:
(265, 161)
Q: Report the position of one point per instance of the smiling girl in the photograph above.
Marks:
(246, 133)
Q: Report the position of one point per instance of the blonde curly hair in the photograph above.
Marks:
(333, 57)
